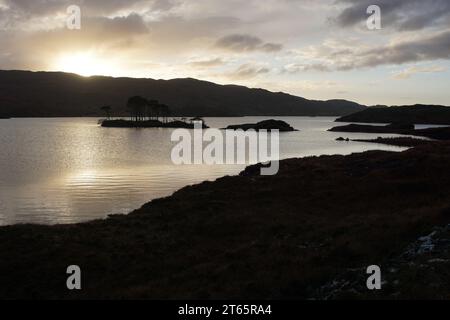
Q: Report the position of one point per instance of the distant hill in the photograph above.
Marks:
(57, 94)
(417, 114)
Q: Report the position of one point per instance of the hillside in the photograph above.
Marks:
(55, 94)
(417, 114)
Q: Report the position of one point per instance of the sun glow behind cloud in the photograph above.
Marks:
(86, 64)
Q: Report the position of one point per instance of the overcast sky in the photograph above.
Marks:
(319, 49)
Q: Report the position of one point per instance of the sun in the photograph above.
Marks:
(84, 63)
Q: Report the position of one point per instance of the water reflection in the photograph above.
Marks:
(71, 170)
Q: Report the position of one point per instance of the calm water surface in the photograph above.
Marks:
(70, 170)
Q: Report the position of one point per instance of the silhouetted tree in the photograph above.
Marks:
(158, 111)
(141, 109)
(107, 110)
(165, 112)
(153, 109)
(136, 106)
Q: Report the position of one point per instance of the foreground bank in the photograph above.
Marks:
(308, 232)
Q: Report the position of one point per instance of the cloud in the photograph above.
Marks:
(341, 56)
(119, 26)
(48, 14)
(405, 15)
(248, 70)
(91, 7)
(246, 43)
(413, 70)
(207, 63)
(434, 47)
(39, 50)
(298, 67)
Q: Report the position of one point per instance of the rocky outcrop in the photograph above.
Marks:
(263, 125)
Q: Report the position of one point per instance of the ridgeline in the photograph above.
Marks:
(57, 94)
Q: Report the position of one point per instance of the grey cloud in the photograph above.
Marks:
(434, 47)
(112, 6)
(402, 15)
(245, 43)
(24, 9)
(248, 70)
(298, 67)
(36, 7)
(207, 63)
(425, 49)
(19, 14)
(95, 32)
(411, 71)
(129, 25)
(271, 47)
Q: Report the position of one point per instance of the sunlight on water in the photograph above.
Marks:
(71, 170)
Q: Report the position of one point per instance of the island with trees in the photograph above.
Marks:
(145, 113)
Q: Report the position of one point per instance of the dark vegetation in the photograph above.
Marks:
(263, 125)
(142, 109)
(302, 233)
(441, 133)
(418, 114)
(52, 94)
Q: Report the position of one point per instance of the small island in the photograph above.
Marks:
(149, 124)
(145, 113)
(263, 125)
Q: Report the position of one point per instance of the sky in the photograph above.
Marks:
(317, 49)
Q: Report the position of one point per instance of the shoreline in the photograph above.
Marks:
(438, 133)
(245, 236)
(398, 141)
